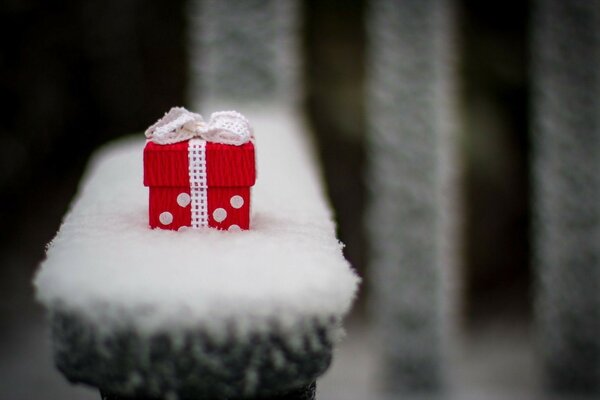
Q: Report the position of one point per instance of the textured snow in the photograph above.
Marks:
(106, 264)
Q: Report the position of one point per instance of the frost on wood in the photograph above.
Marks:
(192, 365)
(410, 217)
(566, 139)
(244, 50)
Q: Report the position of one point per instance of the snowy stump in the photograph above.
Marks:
(143, 313)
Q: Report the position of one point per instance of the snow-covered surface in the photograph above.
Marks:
(106, 264)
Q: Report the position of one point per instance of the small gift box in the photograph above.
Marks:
(199, 174)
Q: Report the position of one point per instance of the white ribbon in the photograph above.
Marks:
(179, 124)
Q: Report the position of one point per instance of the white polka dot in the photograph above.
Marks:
(183, 199)
(234, 228)
(165, 218)
(236, 201)
(219, 214)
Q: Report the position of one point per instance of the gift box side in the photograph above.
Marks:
(230, 172)
(166, 165)
(229, 165)
(229, 208)
(169, 207)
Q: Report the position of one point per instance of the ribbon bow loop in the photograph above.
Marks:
(179, 124)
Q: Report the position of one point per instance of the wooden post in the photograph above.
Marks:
(566, 183)
(412, 216)
(244, 52)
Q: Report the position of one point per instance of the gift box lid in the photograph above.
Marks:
(227, 165)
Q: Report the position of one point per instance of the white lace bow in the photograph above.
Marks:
(179, 124)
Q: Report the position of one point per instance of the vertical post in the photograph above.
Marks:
(244, 52)
(412, 215)
(566, 182)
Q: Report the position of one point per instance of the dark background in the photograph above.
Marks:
(77, 74)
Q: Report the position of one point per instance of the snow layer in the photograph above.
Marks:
(106, 265)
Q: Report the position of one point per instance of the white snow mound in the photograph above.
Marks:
(108, 266)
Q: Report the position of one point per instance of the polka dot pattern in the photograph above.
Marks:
(165, 218)
(183, 199)
(228, 208)
(219, 214)
(214, 191)
(236, 201)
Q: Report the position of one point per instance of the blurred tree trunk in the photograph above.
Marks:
(566, 139)
(412, 214)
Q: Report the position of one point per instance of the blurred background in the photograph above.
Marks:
(76, 75)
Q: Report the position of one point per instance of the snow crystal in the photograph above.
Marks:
(107, 265)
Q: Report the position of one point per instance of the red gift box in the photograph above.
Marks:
(198, 183)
